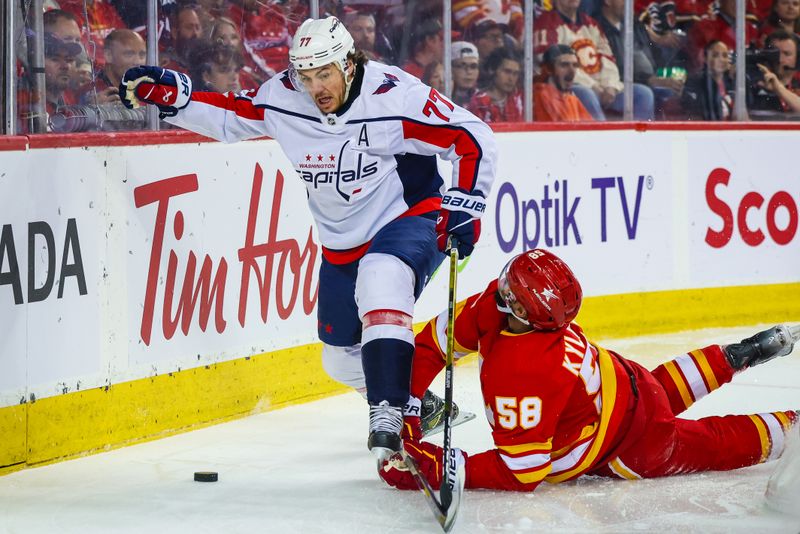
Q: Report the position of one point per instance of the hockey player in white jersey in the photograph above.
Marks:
(363, 138)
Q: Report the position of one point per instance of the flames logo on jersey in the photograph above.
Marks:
(587, 54)
(389, 81)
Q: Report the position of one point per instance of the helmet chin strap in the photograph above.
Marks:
(347, 83)
(505, 308)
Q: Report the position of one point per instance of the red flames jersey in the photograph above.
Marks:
(595, 57)
(554, 400)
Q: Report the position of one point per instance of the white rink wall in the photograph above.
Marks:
(97, 242)
(630, 211)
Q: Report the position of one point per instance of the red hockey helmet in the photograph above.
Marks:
(540, 286)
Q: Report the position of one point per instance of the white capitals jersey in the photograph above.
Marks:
(369, 163)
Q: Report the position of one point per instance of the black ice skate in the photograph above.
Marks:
(385, 423)
(432, 414)
(762, 347)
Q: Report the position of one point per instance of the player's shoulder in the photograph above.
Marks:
(387, 85)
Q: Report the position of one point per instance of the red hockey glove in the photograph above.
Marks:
(429, 459)
(168, 89)
(460, 218)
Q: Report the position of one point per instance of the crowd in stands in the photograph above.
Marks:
(682, 61)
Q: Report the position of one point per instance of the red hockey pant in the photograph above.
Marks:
(670, 446)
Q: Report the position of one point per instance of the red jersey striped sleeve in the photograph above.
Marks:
(431, 343)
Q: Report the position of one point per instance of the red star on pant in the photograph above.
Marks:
(328, 329)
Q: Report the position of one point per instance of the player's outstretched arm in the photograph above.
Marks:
(225, 117)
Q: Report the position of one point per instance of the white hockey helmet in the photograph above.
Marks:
(319, 42)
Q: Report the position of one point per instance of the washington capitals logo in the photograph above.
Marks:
(287, 82)
(388, 82)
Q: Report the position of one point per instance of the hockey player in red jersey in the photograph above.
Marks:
(561, 406)
(363, 138)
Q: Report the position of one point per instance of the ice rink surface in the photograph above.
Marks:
(306, 469)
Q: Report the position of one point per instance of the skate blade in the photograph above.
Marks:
(794, 331)
(382, 454)
(462, 417)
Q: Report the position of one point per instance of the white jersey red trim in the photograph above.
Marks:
(368, 164)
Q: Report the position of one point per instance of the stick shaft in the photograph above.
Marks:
(445, 492)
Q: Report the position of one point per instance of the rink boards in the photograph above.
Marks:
(149, 289)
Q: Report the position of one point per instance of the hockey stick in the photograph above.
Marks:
(445, 508)
(446, 491)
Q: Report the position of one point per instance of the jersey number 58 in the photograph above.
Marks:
(511, 413)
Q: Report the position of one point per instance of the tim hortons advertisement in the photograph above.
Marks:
(223, 255)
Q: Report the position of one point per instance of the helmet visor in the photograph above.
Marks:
(512, 305)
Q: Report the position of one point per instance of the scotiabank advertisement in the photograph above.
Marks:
(119, 263)
(744, 210)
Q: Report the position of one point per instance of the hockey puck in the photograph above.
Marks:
(206, 476)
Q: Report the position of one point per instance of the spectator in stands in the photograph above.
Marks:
(215, 67)
(122, 50)
(59, 64)
(720, 27)
(708, 95)
(553, 99)
(66, 27)
(361, 26)
(102, 17)
(187, 30)
(507, 13)
(789, 46)
(784, 15)
(501, 100)
(264, 29)
(63, 25)
(487, 36)
(790, 100)
(597, 83)
(645, 67)
(434, 76)
(427, 46)
(464, 65)
(252, 74)
(781, 79)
